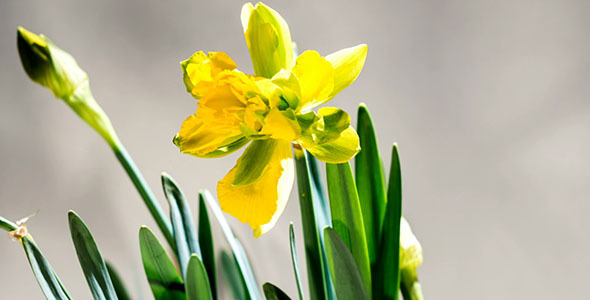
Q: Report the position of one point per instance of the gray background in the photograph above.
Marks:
(488, 101)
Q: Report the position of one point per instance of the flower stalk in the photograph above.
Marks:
(50, 66)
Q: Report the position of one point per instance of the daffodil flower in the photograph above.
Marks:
(270, 110)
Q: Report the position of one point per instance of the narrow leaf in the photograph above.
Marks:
(165, 282)
(272, 292)
(233, 277)
(345, 273)
(295, 261)
(183, 226)
(387, 272)
(120, 289)
(196, 282)
(7, 225)
(48, 281)
(370, 182)
(92, 263)
(236, 247)
(347, 218)
(207, 246)
(314, 216)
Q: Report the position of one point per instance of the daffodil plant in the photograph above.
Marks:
(357, 244)
(270, 110)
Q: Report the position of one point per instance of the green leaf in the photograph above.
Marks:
(370, 182)
(165, 282)
(347, 218)
(345, 273)
(196, 281)
(233, 277)
(7, 225)
(236, 247)
(48, 281)
(315, 215)
(120, 289)
(387, 281)
(295, 261)
(207, 245)
(92, 263)
(272, 292)
(183, 226)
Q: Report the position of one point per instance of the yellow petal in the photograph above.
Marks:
(202, 139)
(316, 79)
(268, 39)
(260, 203)
(337, 151)
(201, 69)
(347, 64)
(281, 125)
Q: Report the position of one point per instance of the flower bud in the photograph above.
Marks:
(49, 66)
(410, 259)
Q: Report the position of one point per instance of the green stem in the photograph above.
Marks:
(146, 193)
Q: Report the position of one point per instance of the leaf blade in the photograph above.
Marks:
(370, 182)
(232, 275)
(236, 247)
(295, 260)
(315, 215)
(207, 245)
(388, 267)
(347, 217)
(164, 280)
(348, 281)
(197, 282)
(272, 292)
(46, 277)
(120, 288)
(91, 261)
(183, 226)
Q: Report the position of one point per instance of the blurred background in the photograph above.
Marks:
(488, 101)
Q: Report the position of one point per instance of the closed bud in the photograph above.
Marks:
(50, 66)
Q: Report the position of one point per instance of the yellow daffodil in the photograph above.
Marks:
(270, 110)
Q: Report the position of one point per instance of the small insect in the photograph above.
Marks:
(21, 231)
